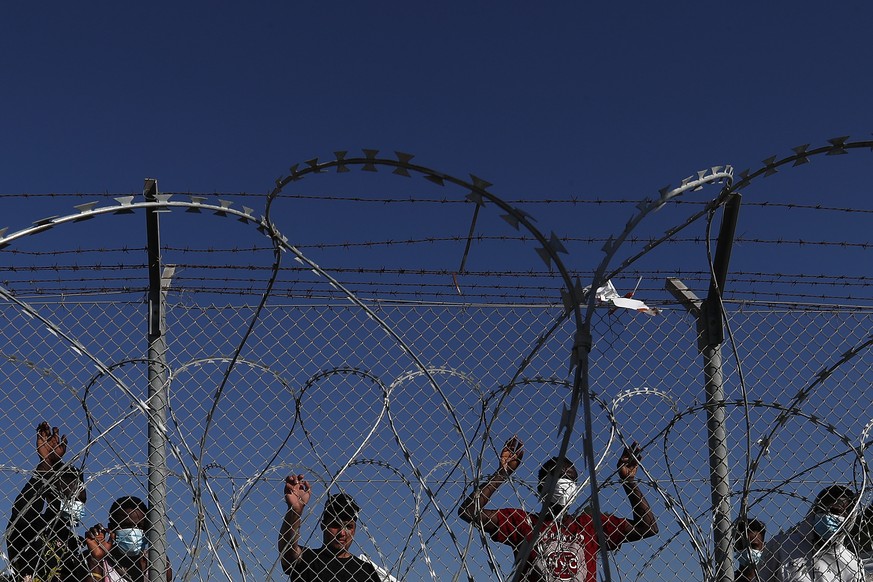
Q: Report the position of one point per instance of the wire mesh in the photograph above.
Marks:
(321, 390)
(438, 418)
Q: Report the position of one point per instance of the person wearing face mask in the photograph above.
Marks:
(860, 539)
(567, 547)
(748, 548)
(119, 553)
(40, 536)
(813, 550)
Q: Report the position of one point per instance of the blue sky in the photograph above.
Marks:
(608, 98)
(606, 101)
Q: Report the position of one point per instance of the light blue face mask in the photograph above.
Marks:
(748, 557)
(73, 509)
(131, 541)
(827, 524)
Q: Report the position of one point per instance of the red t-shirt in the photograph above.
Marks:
(565, 551)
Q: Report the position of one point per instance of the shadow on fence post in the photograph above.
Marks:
(157, 393)
(710, 337)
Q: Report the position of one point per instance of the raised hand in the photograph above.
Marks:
(629, 462)
(297, 492)
(50, 445)
(511, 455)
(99, 542)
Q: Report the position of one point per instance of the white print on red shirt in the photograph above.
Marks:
(561, 553)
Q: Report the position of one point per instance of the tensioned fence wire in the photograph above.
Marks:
(407, 407)
(319, 390)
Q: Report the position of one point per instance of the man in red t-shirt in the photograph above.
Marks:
(566, 548)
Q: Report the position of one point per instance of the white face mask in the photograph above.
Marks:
(565, 492)
(73, 509)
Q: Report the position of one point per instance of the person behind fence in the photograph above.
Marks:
(567, 547)
(40, 536)
(119, 552)
(332, 562)
(813, 549)
(860, 539)
(749, 538)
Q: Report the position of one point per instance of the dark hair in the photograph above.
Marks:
(65, 474)
(67, 471)
(550, 465)
(340, 507)
(65, 477)
(127, 502)
(742, 527)
(750, 525)
(830, 495)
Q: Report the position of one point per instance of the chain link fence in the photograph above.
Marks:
(440, 420)
(408, 425)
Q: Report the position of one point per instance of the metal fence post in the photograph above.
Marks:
(719, 476)
(710, 338)
(157, 394)
(718, 462)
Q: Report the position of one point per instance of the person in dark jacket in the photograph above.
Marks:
(40, 538)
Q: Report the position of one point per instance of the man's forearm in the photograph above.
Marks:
(644, 520)
(479, 498)
(289, 537)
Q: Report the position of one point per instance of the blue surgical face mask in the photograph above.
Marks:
(73, 509)
(131, 541)
(827, 524)
(747, 557)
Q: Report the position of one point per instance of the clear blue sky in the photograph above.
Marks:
(566, 100)
(570, 99)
